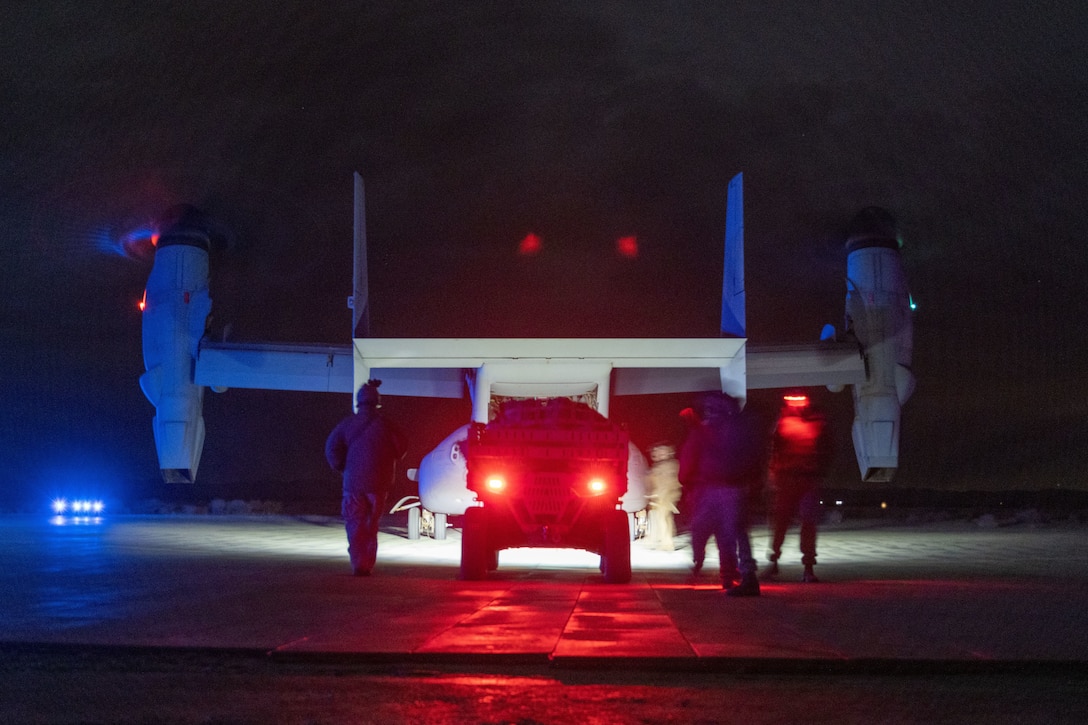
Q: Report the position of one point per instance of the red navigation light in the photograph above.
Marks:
(142, 304)
(627, 246)
(530, 245)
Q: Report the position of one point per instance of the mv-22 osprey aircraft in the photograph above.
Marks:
(580, 479)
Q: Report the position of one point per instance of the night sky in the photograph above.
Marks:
(475, 124)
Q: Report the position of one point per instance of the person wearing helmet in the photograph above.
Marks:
(721, 463)
(365, 448)
(801, 452)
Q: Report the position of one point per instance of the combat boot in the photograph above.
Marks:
(771, 571)
(748, 587)
(809, 577)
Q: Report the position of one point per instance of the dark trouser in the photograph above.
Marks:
(362, 512)
(803, 499)
(723, 512)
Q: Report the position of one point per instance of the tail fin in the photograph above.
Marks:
(733, 316)
(360, 303)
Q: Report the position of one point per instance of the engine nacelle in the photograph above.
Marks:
(878, 314)
(175, 313)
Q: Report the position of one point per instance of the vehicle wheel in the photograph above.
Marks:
(413, 522)
(475, 552)
(616, 557)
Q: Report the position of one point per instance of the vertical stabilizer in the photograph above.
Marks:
(733, 317)
(360, 299)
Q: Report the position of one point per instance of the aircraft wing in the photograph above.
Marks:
(274, 366)
(437, 368)
(831, 364)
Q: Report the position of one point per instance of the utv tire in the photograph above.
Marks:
(616, 554)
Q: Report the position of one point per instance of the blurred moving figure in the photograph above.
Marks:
(801, 453)
(664, 495)
(365, 448)
(721, 463)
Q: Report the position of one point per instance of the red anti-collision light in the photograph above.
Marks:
(530, 245)
(796, 401)
(496, 483)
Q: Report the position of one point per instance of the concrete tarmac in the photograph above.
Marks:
(948, 595)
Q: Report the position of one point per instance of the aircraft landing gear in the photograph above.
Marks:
(421, 522)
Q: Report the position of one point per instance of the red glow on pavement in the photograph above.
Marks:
(798, 429)
(627, 247)
(530, 245)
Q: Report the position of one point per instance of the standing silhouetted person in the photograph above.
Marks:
(721, 464)
(801, 452)
(365, 448)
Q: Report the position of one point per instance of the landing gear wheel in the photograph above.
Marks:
(476, 554)
(616, 554)
(413, 522)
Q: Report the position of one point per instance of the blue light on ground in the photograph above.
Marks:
(77, 512)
